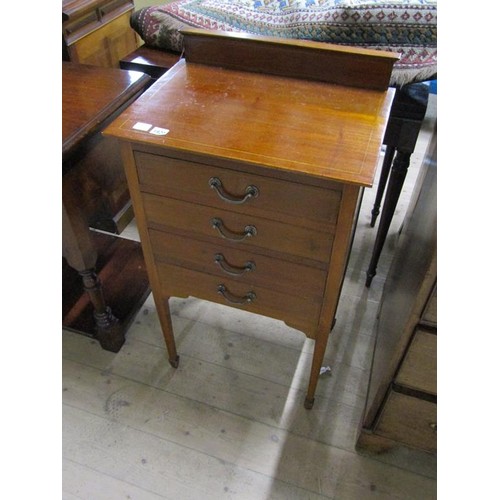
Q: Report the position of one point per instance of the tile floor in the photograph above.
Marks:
(229, 422)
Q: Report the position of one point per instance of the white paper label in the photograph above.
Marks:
(142, 126)
(159, 131)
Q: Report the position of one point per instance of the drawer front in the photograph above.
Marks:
(430, 312)
(294, 311)
(409, 420)
(245, 231)
(82, 23)
(71, 28)
(192, 182)
(95, 47)
(115, 7)
(419, 367)
(241, 265)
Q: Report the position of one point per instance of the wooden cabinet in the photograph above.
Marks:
(402, 396)
(246, 185)
(97, 32)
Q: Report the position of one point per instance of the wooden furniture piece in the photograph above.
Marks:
(401, 404)
(91, 98)
(407, 114)
(246, 163)
(97, 32)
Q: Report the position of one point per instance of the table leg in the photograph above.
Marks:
(384, 175)
(396, 180)
(81, 256)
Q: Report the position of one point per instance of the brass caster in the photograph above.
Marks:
(175, 362)
(308, 403)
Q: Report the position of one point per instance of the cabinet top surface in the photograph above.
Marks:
(319, 129)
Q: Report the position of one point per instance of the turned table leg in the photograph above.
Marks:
(384, 175)
(396, 180)
(81, 256)
(407, 114)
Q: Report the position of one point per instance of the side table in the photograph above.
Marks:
(407, 114)
(93, 96)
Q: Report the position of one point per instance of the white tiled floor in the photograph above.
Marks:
(230, 422)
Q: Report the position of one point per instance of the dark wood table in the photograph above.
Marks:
(407, 114)
(112, 269)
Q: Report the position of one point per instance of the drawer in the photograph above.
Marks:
(83, 24)
(294, 311)
(430, 311)
(419, 367)
(244, 231)
(115, 7)
(410, 421)
(107, 45)
(241, 265)
(190, 181)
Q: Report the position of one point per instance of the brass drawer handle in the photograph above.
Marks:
(234, 299)
(250, 192)
(233, 270)
(229, 235)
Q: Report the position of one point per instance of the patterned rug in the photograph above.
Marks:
(408, 27)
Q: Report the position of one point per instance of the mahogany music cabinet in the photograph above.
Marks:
(246, 163)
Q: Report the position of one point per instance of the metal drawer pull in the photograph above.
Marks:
(246, 299)
(229, 235)
(233, 270)
(250, 192)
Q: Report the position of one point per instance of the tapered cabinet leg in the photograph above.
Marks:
(318, 355)
(168, 331)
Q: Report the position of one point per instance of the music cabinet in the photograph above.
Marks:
(246, 163)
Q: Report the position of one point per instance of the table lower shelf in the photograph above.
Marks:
(122, 273)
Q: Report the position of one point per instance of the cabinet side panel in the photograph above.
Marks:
(135, 195)
(340, 253)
